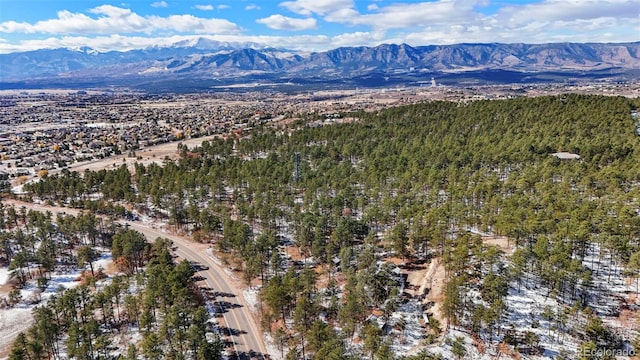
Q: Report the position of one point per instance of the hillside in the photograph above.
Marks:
(430, 188)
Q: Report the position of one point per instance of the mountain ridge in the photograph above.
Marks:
(211, 60)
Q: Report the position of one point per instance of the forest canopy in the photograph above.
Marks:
(413, 181)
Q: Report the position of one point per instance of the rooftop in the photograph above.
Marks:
(566, 156)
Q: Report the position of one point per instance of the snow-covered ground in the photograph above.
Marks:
(609, 286)
(527, 304)
(4, 275)
(12, 322)
(19, 318)
(251, 298)
(525, 310)
(472, 352)
(103, 262)
(413, 333)
(611, 291)
(273, 351)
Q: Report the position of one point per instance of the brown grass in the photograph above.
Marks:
(502, 242)
(294, 252)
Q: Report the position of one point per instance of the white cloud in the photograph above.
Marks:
(101, 43)
(204, 7)
(115, 20)
(452, 21)
(344, 16)
(124, 43)
(569, 20)
(408, 15)
(109, 10)
(223, 7)
(190, 23)
(160, 4)
(535, 32)
(416, 23)
(568, 10)
(359, 38)
(321, 7)
(279, 22)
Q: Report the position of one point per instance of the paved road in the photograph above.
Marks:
(237, 320)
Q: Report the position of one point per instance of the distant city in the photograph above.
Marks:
(52, 129)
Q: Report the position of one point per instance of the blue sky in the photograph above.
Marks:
(311, 25)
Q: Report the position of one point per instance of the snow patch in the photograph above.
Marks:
(251, 298)
(12, 322)
(215, 259)
(103, 262)
(272, 350)
(4, 276)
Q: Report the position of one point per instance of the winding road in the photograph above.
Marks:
(237, 321)
(238, 324)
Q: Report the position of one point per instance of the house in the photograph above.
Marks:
(566, 155)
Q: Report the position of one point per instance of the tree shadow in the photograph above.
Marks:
(224, 306)
(196, 266)
(250, 355)
(223, 294)
(198, 278)
(227, 331)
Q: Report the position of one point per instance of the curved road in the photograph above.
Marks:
(239, 321)
(239, 324)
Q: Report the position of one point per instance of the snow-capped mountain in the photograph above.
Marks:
(205, 59)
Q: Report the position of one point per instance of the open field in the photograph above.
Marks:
(152, 154)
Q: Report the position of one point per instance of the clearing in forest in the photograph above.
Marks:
(432, 279)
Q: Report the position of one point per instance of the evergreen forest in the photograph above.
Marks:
(322, 217)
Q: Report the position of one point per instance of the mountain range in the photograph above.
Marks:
(204, 63)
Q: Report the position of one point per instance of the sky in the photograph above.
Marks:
(311, 25)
